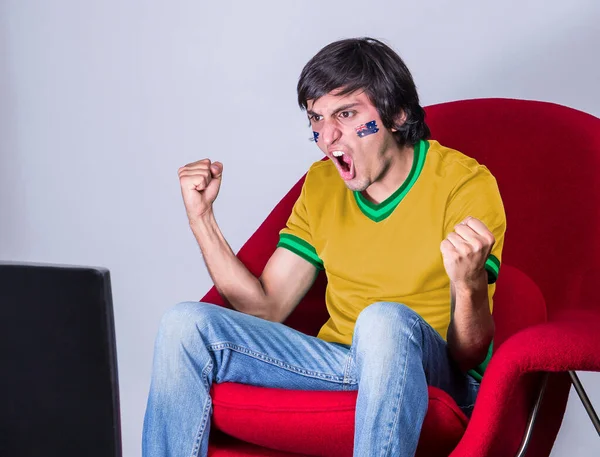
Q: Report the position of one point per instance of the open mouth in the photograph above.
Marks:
(344, 164)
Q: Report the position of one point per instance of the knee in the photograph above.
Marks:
(185, 322)
(386, 315)
(383, 324)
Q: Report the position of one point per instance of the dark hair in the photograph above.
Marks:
(370, 65)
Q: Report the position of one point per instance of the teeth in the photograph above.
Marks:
(337, 153)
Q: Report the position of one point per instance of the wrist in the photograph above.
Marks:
(471, 286)
(202, 222)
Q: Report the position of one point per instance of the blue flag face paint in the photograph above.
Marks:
(316, 136)
(366, 129)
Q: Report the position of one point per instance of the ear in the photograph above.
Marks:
(399, 120)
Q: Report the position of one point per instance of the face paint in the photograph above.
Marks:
(366, 129)
(316, 136)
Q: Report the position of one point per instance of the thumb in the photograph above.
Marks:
(216, 170)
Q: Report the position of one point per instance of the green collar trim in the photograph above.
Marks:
(380, 211)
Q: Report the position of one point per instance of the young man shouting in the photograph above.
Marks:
(410, 235)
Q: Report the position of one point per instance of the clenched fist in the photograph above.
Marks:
(200, 182)
(466, 250)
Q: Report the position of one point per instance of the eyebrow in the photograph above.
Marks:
(337, 110)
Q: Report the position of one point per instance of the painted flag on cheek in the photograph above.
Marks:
(367, 129)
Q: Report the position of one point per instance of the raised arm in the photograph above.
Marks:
(286, 277)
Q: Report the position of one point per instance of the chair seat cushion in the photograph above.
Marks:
(319, 423)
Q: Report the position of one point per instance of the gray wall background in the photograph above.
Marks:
(101, 102)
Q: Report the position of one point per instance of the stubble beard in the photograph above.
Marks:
(357, 184)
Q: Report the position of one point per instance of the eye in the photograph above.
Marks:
(347, 114)
(315, 117)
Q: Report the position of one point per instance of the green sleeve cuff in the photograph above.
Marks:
(492, 266)
(478, 371)
(300, 247)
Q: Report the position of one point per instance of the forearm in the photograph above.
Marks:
(232, 279)
(471, 328)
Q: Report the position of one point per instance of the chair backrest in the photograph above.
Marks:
(518, 304)
(544, 157)
(59, 368)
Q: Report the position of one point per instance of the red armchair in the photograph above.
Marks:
(545, 158)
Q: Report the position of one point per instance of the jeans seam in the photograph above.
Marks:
(347, 379)
(205, 413)
(400, 395)
(272, 361)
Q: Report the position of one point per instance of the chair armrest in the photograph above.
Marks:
(570, 341)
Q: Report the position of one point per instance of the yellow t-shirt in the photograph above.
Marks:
(391, 251)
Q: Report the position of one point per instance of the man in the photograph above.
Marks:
(410, 234)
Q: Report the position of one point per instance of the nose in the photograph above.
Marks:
(330, 133)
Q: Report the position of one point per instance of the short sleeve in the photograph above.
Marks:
(296, 236)
(477, 195)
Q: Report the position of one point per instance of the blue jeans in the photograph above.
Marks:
(394, 356)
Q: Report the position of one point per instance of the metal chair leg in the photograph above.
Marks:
(532, 417)
(585, 400)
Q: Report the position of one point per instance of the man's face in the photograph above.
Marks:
(349, 131)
